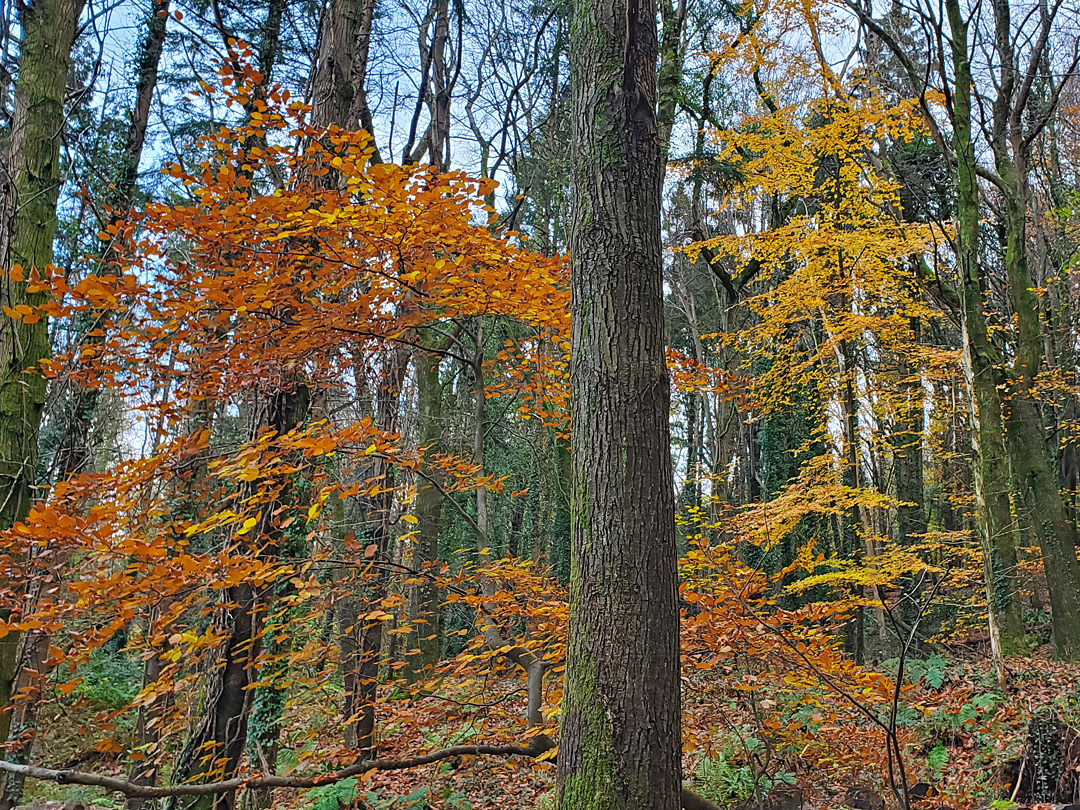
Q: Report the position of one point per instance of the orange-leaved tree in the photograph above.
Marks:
(210, 551)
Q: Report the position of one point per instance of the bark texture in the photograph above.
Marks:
(339, 91)
(620, 741)
(27, 230)
(982, 366)
(428, 509)
(1034, 465)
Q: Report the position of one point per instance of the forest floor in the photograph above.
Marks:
(965, 742)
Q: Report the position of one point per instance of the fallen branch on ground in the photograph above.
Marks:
(539, 745)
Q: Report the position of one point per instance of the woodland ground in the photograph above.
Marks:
(961, 734)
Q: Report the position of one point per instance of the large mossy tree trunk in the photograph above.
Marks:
(27, 230)
(73, 452)
(982, 366)
(1034, 465)
(620, 739)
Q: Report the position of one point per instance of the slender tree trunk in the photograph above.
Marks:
(620, 742)
(216, 748)
(907, 444)
(369, 651)
(907, 447)
(479, 431)
(439, 127)
(216, 751)
(428, 511)
(855, 631)
(691, 492)
(426, 598)
(147, 734)
(340, 99)
(670, 76)
(560, 531)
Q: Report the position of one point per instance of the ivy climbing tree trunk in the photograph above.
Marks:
(620, 740)
(27, 230)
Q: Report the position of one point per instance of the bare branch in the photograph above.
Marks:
(535, 748)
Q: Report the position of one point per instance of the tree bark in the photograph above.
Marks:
(365, 667)
(429, 505)
(73, 453)
(907, 444)
(854, 630)
(339, 94)
(218, 745)
(1033, 465)
(670, 76)
(27, 231)
(982, 366)
(620, 741)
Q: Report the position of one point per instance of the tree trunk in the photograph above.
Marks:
(1033, 464)
(340, 74)
(982, 364)
(854, 631)
(215, 751)
(217, 747)
(27, 231)
(907, 445)
(1034, 468)
(620, 742)
(73, 452)
(429, 505)
(369, 651)
(147, 728)
(670, 75)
